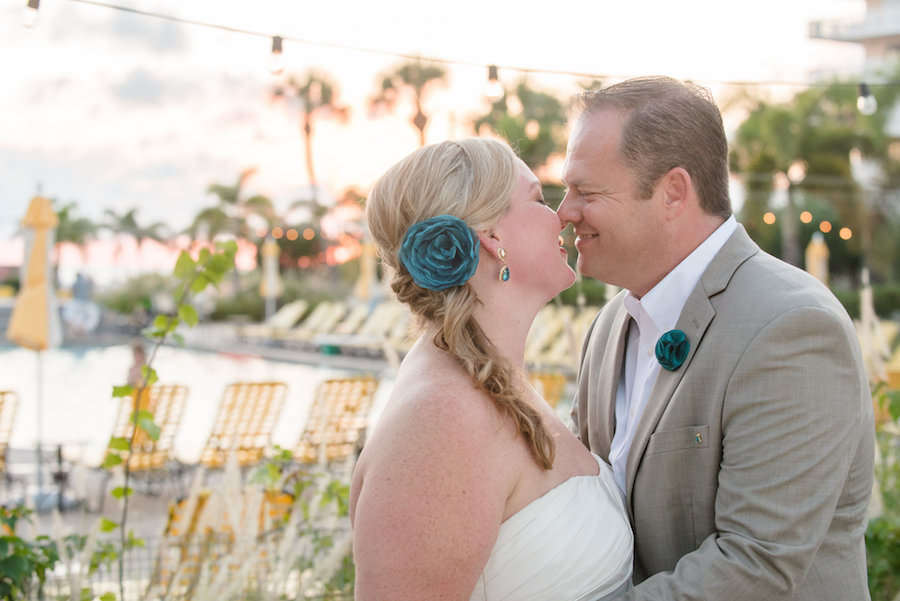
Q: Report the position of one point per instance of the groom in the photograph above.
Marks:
(725, 387)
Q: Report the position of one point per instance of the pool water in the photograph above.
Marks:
(78, 409)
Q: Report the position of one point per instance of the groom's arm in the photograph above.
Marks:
(793, 420)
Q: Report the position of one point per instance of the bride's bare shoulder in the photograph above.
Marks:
(435, 406)
(443, 400)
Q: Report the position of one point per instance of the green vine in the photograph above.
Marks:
(193, 277)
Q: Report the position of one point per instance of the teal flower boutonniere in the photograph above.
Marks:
(672, 349)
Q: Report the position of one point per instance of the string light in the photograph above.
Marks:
(769, 218)
(825, 226)
(31, 12)
(866, 103)
(493, 91)
(846, 233)
(806, 217)
(444, 61)
(276, 61)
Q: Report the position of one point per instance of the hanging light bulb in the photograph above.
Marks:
(866, 103)
(31, 12)
(494, 89)
(276, 61)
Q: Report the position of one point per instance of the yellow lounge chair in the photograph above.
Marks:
(151, 461)
(199, 535)
(308, 325)
(549, 384)
(322, 320)
(387, 321)
(353, 321)
(244, 422)
(546, 330)
(564, 351)
(337, 422)
(281, 321)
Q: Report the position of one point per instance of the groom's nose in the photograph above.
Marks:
(566, 209)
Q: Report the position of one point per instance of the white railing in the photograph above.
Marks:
(878, 22)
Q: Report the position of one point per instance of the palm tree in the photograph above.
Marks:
(127, 223)
(232, 214)
(817, 128)
(234, 210)
(415, 77)
(536, 131)
(317, 93)
(71, 228)
(209, 223)
(776, 136)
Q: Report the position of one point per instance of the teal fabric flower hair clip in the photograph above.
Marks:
(440, 252)
(672, 349)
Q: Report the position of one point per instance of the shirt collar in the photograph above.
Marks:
(664, 302)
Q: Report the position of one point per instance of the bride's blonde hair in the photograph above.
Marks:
(473, 180)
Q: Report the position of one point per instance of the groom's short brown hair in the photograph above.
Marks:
(669, 124)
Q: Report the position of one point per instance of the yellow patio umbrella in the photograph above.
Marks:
(270, 286)
(35, 322)
(363, 288)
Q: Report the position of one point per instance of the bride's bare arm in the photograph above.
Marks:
(429, 494)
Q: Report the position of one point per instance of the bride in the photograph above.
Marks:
(471, 487)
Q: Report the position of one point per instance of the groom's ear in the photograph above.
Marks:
(677, 190)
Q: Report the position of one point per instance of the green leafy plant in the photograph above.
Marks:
(883, 533)
(193, 276)
(314, 493)
(23, 563)
(311, 541)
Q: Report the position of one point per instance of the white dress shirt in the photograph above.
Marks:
(654, 314)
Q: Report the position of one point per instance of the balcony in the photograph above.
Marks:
(881, 22)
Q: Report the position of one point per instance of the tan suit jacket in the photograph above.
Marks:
(751, 470)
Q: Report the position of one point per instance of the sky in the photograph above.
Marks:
(113, 110)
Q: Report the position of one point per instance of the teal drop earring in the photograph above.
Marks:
(504, 271)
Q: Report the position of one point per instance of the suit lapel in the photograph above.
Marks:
(607, 384)
(694, 320)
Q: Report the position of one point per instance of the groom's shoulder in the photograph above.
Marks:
(765, 281)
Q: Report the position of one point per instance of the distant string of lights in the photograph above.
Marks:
(866, 102)
(825, 226)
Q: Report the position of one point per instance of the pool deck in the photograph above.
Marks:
(147, 511)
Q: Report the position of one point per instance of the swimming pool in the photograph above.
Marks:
(79, 410)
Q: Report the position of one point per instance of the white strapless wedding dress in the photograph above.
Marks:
(573, 543)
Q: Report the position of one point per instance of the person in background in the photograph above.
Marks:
(139, 359)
